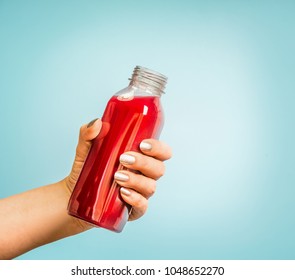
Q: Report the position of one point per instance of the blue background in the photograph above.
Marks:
(228, 192)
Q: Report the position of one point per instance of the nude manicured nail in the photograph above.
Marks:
(92, 122)
(128, 159)
(145, 146)
(119, 176)
(125, 191)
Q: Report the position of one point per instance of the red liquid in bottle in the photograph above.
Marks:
(126, 122)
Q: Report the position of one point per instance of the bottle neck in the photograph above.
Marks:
(148, 80)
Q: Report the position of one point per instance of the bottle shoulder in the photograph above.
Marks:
(131, 91)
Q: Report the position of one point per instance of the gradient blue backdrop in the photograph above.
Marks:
(229, 190)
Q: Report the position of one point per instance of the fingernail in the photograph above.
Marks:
(145, 146)
(125, 191)
(121, 176)
(92, 122)
(128, 159)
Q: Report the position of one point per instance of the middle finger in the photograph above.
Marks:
(147, 165)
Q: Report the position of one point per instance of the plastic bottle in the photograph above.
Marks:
(132, 115)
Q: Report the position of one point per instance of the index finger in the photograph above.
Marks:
(155, 148)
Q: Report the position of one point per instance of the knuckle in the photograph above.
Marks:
(152, 188)
(140, 203)
(169, 153)
(161, 170)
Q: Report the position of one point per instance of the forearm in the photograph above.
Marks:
(35, 218)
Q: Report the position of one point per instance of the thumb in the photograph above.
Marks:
(87, 133)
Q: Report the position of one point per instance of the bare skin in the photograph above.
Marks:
(39, 216)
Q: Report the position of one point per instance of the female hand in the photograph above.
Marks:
(136, 188)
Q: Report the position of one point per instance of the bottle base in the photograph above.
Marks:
(97, 224)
